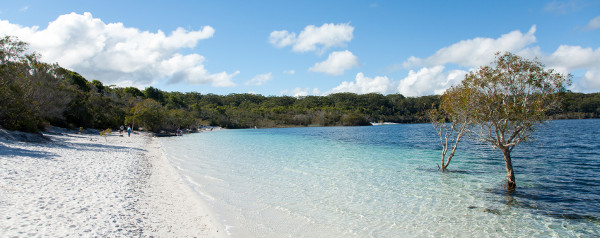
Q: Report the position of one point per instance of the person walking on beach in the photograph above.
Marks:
(121, 129)
(129, 131)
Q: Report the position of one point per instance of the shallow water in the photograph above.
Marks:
(383, 181)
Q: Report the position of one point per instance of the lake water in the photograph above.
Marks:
(383, 181)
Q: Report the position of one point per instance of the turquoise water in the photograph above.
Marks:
(383, 181)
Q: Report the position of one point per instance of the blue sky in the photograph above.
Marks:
(305, 47)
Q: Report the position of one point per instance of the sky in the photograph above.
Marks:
(300, 48)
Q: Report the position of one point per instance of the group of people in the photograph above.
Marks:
(129, 129)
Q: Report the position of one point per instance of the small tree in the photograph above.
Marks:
(451, 121)
(105, 133)
(508, 99)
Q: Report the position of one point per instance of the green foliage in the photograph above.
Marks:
(134, 92)
(105, 133)
(35, 94)
(154, 93)
(451, 120)
(98, 85)
(32, 94)
(511, 97)
(504, 102)
(148, 114)
(578, 105)
(74, 78)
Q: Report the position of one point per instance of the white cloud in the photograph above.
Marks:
(120, 55)
(301, 92)
(590, 81)
(593, 24)
(570, 58)
(260, 79)
(475, 52)
(336, 63)
(433, 78)
(291, 71)
(282, 39)
(428, 81)
(296, 92)
(316, 91)
(362, 85)
(314, 38)
(563, 7)
(567, 59)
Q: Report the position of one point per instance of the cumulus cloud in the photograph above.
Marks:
(120, 55)
(430, 76)
(363, 84)
(336, 63)
(314, 38)
(590, 81)
(260, 79)
(428, 81)
(567, 58)
(291, 71)
(425, 81)
(593, 24)
(282, 39)
(301, 92)
(475, 52)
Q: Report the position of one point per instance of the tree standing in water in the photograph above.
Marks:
(451, 121)
(507, 100)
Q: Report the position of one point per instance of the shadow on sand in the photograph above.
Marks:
(9, 152)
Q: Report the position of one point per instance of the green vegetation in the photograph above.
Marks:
(36, 94)
(105, 134)
(452, 120)
(501, 104)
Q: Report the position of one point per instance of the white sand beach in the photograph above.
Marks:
(73, 184)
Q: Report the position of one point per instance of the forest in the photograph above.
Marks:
(35, 95)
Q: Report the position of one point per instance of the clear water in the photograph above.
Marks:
(383, 181)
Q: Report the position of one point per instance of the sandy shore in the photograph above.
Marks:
(74, 184)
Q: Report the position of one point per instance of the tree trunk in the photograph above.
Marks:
(510, 174)
(444, 166)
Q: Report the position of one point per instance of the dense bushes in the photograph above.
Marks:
(32, 92)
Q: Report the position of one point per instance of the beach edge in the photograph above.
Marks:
(173, 207)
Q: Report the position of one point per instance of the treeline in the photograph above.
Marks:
(579, 106)
(341, 109)
(35, 94)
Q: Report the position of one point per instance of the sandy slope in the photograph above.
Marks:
(84, 185)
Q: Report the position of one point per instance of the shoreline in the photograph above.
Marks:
(63, 183)
(174, 208)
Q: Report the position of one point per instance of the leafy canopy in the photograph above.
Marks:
(510, 97)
